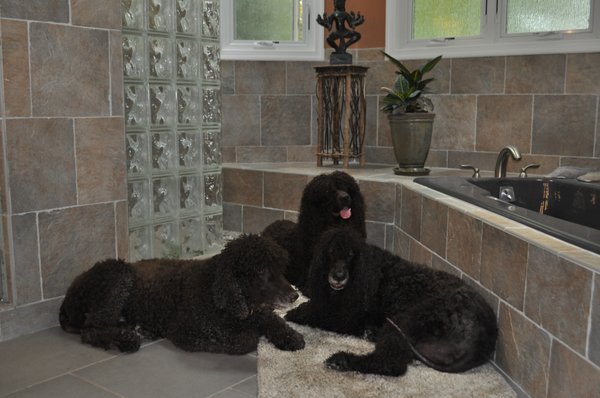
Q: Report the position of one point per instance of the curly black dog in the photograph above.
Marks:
(328, 200)
(409, 310)
(222, 304)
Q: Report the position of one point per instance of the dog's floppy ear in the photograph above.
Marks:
(228, 295)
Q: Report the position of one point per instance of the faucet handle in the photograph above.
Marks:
(523, 173)
(471, 167)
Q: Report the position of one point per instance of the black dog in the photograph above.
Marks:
(328, 200)
(222, 304)
(410, 311)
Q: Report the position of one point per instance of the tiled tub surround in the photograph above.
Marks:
(546, 105)
(570, 208)
(546, 292)
(63, 166)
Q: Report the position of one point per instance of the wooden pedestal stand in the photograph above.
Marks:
(341, 113)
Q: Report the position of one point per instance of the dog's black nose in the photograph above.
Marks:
(339, 274)
(343, 198)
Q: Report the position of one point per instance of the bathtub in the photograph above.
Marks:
(564, 208)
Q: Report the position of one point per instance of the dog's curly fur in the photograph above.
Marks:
(409, 310)
(222, 304)
(323, 200)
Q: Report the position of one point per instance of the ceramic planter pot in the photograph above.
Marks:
(411, 137)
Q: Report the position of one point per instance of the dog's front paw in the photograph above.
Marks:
(294, 342)
(129, 341)
(299, 315)
(292, 315)
(339, 361)
(371, 334)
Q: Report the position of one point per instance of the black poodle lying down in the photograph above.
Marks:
(410, 311)
(222, 304)
(328, 200)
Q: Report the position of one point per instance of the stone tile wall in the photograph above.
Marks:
(546, 293)
(63, 170)
(546, 105)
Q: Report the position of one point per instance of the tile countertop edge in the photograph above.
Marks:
(570, 252)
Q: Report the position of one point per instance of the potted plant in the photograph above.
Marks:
(410, 114)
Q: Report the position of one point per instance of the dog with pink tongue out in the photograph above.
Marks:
(328, 200)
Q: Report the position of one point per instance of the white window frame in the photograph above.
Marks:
(492, 41)
(311, 49)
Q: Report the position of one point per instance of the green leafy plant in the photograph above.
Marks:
(407, 94)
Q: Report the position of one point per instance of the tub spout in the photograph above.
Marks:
(502, 160)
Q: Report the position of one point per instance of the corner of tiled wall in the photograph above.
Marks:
(65, 185)
(254, 199)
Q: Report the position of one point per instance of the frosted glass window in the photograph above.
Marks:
(424, 29)
(268, 20)
(525, 16)
(271, 30)
(446, 18)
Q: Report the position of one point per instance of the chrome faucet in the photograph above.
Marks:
(502, 160)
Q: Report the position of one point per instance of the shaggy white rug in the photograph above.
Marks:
(302, 374)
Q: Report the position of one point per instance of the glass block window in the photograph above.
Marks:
(171, 69)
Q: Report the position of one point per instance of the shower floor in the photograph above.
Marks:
(55, 364)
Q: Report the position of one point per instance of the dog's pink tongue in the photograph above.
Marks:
(346, 213)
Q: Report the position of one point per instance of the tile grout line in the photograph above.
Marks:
(231, 387)
(71, 372)
(97, 385)
(46, 380)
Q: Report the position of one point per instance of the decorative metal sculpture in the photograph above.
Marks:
(345, 34)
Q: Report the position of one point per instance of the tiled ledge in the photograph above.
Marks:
(530, 235)
(384, 174)
(371, 172)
